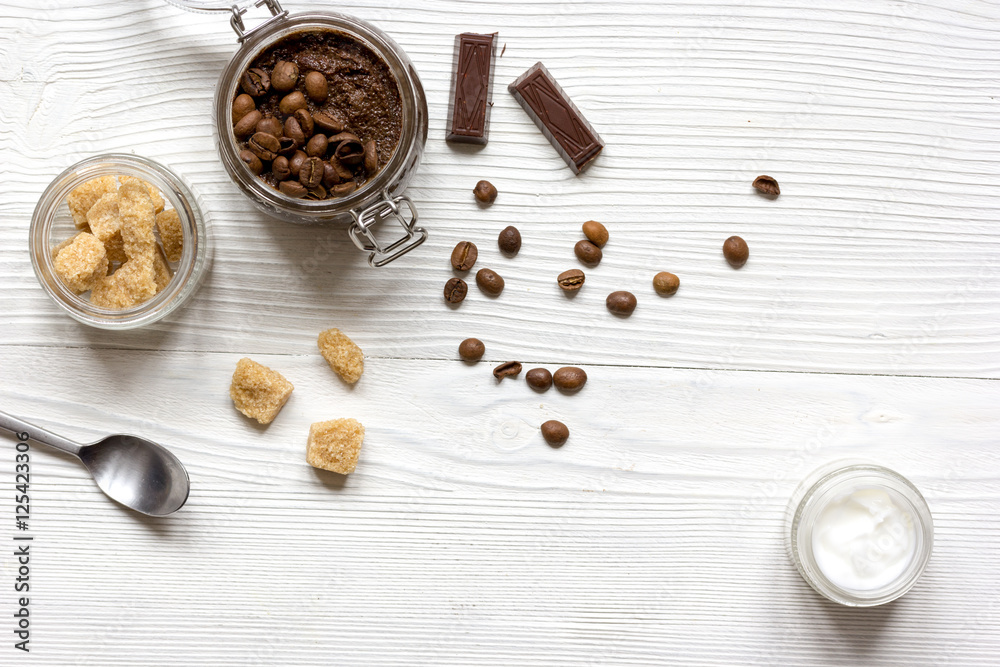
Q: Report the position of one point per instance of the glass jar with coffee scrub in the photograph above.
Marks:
(320, 117)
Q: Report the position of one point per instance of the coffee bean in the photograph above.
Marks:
(317, 193)
(455, 290)
(317, 146)
(252, 161)
(485, 192)
(471, 349)
(316, 87)
(293, 130)
(350, 151)
(539, 379)
(588, 253)
(569, 378)
(255, 82)
(621, 303)
(509, 241)
(293, 189)
(311, 172)
(344, 189)
(666, 283)
(306, 122)
(767, 185)
(280, 169)
(292, 102)
(270, 125)
(464, 256)
(371, 157)
(596, 232)
(489, 282)
(295, 163)
(264, 145)
(736, 251)
(329, 123)
(284, 76)
(287, 146)
(555, 433)
(242, 105)
(571, 280)
(247, 125)
(342, 171)
(508, 369)
(330, 175)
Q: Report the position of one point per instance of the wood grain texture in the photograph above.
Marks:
(866, 323)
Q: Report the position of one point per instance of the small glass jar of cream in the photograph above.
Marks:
(860, 534)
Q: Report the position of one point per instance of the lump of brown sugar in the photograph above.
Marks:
(335, 445)
(138, 217)
(84, 196)
(343, 355)
(154, 194)
(133, 283)
(171, 234)
(106, 224)
(82, 262)
(258, 392)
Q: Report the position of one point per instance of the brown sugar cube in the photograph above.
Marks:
(82, 263)
(106, 224)
(258, 392)
(343, 355)
(83, 197)
(133, 283)
(335, 445)
(110, 292)
(137, 220)
(171, 234)
(161, 271)
(155, 196)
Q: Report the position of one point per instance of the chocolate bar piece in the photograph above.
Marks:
(557, 117)
(472, 88)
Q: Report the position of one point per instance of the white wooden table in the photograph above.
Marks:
(866, 323)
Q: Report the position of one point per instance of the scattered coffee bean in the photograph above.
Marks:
(294, 131)
(280, 169)
(455, 290)
(286, 146)
(736, 251)
(293, 189)
(328, 122)
(255, 82)
(284, 76)
(264, 145)
(489, 282)
(571, 280)
(509, 241)
(252, 161)
(471, 349)
(316, 87)
(248, 124)
(464, 256)
(569, 378)
(317, 146)
(485, 192)
(539, 379)
(555, 433)
(318, 193)
(270, 125)
(349, 149)
(305, 120)
(343, 172)
(621, 303)
(588, 253)
(371, 157)
(666, 283)
(596, 232)
(330, 175)
(242, 105)
(311, 172)
(292, 102)
(344, 189)
(295, 163)
(508, 369)
(767, 185)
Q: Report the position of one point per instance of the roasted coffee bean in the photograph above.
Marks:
(767, 185)
(311, 172)
(252, 161)
(264, 145)
(588, 253)
(342, 171)
(539, 379)
(317, 146)
(508, 369)
(621, 303)
(666, 283)
(736, 251)
(329, 123)
(284, 76)
(255, 82)
(569, 378)
(293, 129)
(280, 169)
(287, 146)
(316, 87)
(509, 241)
(305, 121)
(571, 280)
(489, 282)
(485, 192)
(330, 175)
(350, 151)
(292, 102)
(464, 256)
(555, 433)
(242, 105)
(295, 163)
(596, 232)
(471, 349)
(293, 189)
(371, 157)
(247, 125)
(318, 193)
(455, 290)
(344, 189)
(270, 125)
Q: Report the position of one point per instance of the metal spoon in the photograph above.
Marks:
(133, 471)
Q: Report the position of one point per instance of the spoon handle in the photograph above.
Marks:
(19, 427)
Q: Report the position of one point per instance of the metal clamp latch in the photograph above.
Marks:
(387, 207)
(277, 13)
